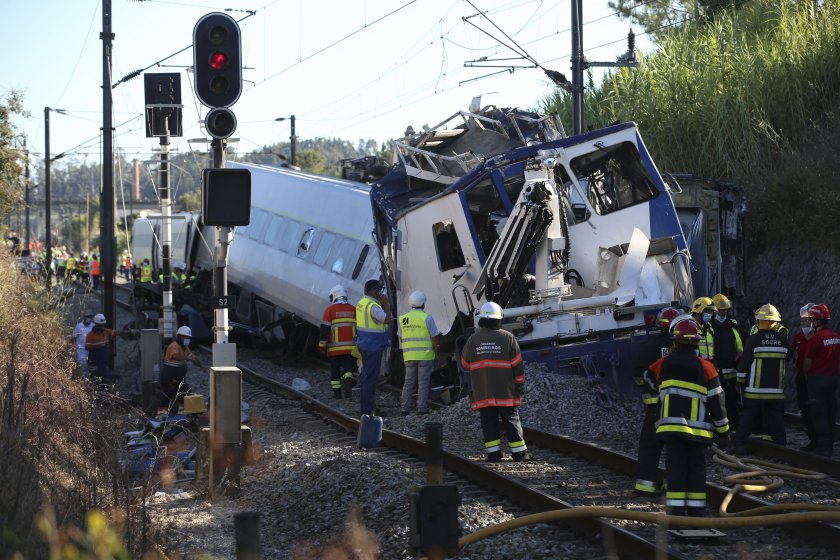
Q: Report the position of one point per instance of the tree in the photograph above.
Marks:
(191, 201)
(12, 160)
(312, 161)
(658, 16)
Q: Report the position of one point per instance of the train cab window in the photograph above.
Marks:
(258, 225)
(615, 177)
(322, 253)
(275, 228)
(306, 242)
(448, 246)
(343, 255)
(359, 263)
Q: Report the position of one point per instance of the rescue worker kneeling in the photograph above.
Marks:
(174, 373)
(688, 387)
(497, 383)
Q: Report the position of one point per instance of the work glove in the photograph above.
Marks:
(518, 389)
(724, 440)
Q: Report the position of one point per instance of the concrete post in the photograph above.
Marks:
(225, 430)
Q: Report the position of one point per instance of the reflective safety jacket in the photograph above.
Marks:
(146, 273)
(94, 268)
(71, 263)
(688, 386)
(370, 334)
(338, 330)
(496, 370)
(762, 367)
(650, 351)
(415, 337)
(728, 348)
(707, 343)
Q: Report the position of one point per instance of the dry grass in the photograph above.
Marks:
(57, 440)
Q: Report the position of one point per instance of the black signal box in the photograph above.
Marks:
(163, 99)
(226, 197)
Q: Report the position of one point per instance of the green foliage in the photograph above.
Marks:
(191, 201)
(312, 161)
(11, 158)
(658, 16)
(741, 98)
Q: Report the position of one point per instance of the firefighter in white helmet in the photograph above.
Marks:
(173, 375)
(338, 342)
(420, 340)
(492, 359)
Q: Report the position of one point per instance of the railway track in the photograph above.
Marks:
(567, 473)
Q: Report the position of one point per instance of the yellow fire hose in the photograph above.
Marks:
(759, 476)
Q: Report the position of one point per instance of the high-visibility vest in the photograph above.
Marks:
(94, 268)
(370, 335)
(71, 263)
(146, 273)
(416, 339)
(341, 320)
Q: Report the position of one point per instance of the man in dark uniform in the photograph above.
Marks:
(497, 383)
(728, 349)
(650, 448)
(821, 368)
(688, 386)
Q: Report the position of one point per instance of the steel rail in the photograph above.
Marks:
(630, 544)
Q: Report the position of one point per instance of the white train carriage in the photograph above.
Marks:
(307, 233)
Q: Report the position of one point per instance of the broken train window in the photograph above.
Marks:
(615, 177)
(449, 252)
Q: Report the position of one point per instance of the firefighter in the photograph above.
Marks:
(173, 375)
(373, 337)
(702, 311)
(420, 340)
(728, 349)
(821, 365)
(650, 447)
(761, 372)
(338, 342)
(493, 361)
(688, 386)
(798, 345)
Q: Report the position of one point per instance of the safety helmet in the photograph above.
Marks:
(767, 313)
(676, 320)
(665, 316)
(721, 302)
(184, 331)
(181, 266)
(820, 311)
(803, 311)
(700, 304)
(490, 310)
(99, 319)
(336, 292)
(687, 330)
(417, 299)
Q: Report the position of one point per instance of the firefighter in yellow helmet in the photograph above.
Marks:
(728, 349)
(702, 311)
(761, 373)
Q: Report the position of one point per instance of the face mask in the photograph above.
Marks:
(719, 320)
(186, 342)
(707, 317)
(807, 331)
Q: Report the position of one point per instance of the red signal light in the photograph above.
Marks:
(218, 60)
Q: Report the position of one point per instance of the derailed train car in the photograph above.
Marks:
(577, 238)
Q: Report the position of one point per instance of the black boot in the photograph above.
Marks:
(494, 457)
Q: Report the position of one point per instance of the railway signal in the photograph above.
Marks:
(217, 60)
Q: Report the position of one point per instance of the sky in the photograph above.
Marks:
(351, 69)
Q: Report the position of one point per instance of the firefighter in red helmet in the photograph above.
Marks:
(821, 369)
(688, 387)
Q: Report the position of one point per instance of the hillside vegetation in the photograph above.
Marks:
(749, 96)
